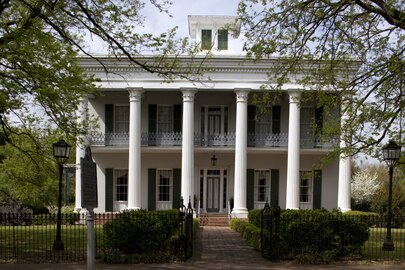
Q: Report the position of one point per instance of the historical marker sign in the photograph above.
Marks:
(89, 181)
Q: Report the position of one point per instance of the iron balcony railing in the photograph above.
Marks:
(163, 139)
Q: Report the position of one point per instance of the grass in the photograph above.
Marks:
(372, 248)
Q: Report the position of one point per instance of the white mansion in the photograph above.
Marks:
(158, 141)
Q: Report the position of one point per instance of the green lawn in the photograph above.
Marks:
(372, 249)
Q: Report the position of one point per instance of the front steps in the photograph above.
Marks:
(219, 220)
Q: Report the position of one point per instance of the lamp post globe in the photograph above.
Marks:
(61, 151)
(391, 155)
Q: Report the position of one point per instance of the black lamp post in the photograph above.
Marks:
(214, 160)
(391, 155)
(61, 152)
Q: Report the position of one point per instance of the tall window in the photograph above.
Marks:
(121, 118)
(164, 185)
(222, 39)
(306, 186)
(164, 118)
(206, 39)
(307, 123)
(262, 185)
(121, 185)
(263, 123)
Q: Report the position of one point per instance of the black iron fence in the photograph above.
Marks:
(26, 237)
(292, 234)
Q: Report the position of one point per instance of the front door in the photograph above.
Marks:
(213, 192)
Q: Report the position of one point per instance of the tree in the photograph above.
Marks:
(369, 33)
(40, 80)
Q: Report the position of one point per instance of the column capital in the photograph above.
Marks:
(188, 94)
(295, 96)
(135, 94)
(242, 94)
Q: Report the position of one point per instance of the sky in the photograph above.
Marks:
(157, 22)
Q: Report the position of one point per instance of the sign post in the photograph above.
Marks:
(89, 201)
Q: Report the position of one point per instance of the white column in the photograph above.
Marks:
(345, 169)
(240, 210)
(81, 144)
(293, 162)
(187, 157)
(134, 166)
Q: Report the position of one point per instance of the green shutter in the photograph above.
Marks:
(151, 189)
(177, 117)
(276, 119)
(275, 176)
(176, 188)
(152, 123)
(251, 125)
(250, 185)
(317, 200)
(109, 118)
(109, 189)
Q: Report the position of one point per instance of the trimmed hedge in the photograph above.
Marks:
(250, 232)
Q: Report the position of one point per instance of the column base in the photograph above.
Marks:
(345, 209)
(241, 213)
(83, 214)
(388, 245)
(134, 208)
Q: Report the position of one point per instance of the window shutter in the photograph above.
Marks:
(250, 185)
(152, 122)
(177, 188)
(317, 200)
(276, 120)
(177, 117)
(275, 175)
(151, 189)
(109, 118)
(109, 189)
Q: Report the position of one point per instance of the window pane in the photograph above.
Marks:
(164, 185)
(165, 118)
(206, 39)
(306, 186)
(263, 123)
(222, 39)
(121, 185)
(121, 118)
(262, 185)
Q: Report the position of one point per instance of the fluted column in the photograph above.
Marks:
(345, 169)
(81, 144)
(293, 162)
(134, 166)
(240, 209)
(187, 157)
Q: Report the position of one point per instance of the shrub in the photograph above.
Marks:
(139, 231)
(248, 231)
(255, 217)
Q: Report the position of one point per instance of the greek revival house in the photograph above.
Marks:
(157, 141)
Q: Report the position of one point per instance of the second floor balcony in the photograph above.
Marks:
(172, 139)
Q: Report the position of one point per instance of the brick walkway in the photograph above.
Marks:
(216, 248)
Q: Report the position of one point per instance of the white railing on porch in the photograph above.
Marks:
(163, 139)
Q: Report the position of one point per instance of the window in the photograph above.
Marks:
(307, 123)
(121, 118)
(206, 39)
(262, 185)
(263, 123)
(121, 185)
(222, 39)
(164, 185)
(164, 118)
(306, 186)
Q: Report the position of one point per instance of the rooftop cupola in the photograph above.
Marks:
(214, 33)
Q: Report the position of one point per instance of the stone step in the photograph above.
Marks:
(214, 220)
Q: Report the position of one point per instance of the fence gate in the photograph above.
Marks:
(186, 230)
(270, 233)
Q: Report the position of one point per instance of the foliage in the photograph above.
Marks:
(344, 46)
(29, 179)
(41, 82)
(319, 233)
(365, 184)
(248, 231)
(139, 231)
